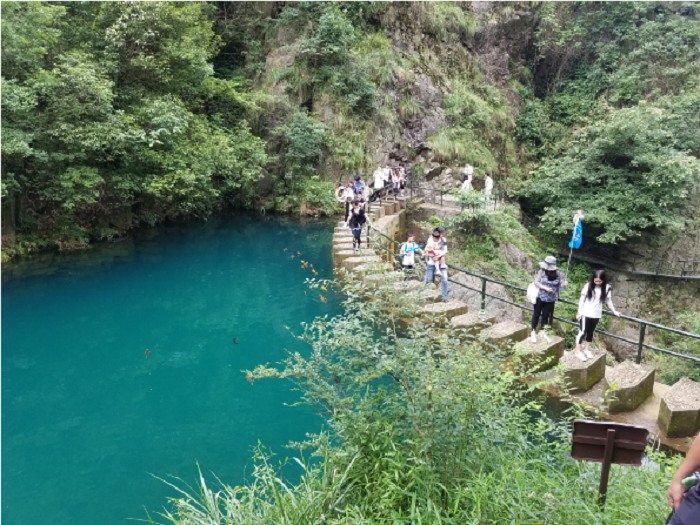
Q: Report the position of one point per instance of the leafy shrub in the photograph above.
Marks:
(626, 172)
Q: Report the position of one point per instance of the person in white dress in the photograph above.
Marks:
(468, 173)
(488, 184)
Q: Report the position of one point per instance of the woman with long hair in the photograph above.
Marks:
(590, 309)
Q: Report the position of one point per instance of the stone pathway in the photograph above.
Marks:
(668, 412)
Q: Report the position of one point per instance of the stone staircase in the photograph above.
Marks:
(671, 412)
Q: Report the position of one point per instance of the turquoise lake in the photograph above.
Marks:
(87, 417)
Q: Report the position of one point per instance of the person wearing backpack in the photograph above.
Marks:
(549, 281)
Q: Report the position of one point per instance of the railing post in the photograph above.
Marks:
(642, 331)
(411, 189)
(441, 198)
(483, 294)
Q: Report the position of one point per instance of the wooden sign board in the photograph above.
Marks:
(608, 443)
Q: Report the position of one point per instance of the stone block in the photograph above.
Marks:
(473, 323)
(679, 413)
(341, 247)
(340, 256)
(635, 384)
(540, 355)
(350, 263)
(505, 334)
(580, 376)
(444, 312)
(344, 239)
(373, 267)
(384, 277)
(378, 211)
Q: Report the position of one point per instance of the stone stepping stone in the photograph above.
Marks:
(385, 277)
(344, 239)
(679, 413)
(635, 384)
(579, 375)
(341, 256)
(352, 262)
(505, 334)
(540, 355)
(444, 312)
(342, 246)
(473, 323)
(372, 267)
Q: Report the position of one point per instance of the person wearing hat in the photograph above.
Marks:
(488, 183)
(549, 280)
(435, 252)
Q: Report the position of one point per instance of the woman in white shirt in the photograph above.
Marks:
(488, 184)
(468, 173)
(590, 309)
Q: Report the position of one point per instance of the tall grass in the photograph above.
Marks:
(424, 427)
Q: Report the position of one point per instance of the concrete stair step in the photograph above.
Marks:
(580, 376)
(635, 384)
(372, 267)
(679, 413)
(473, 323)
(540, 355)
(344, 239)
(341, 256)
(353, 262)
(444, 312)
(384, 277)
(341, 247)
(505, 334)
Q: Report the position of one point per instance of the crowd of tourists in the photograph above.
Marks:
(543, 293)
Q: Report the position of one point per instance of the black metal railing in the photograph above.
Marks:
(643, 324)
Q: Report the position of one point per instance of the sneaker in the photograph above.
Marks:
(444, 299)
(588, 353)
(533, 337)
(546, 337)
(581, 356)
(354, 250)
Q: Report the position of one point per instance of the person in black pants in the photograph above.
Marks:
(686, 503)
(549, 280)
(358, 218)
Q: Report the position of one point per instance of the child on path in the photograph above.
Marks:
(590, 309)
(359, 187)
(432, 248)
(550, 280)
(408, 251)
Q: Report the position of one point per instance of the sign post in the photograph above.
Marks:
(608, 443)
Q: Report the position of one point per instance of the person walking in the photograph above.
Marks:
(590, 309)
(488, 184)
(686, 502)
(434, 251)
(387, 180)
(549, 280)
(358, 218)
(408, 253)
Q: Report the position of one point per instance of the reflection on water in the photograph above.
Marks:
(87, 415)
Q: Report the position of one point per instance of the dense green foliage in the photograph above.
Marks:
(111, 109)
(615, 119)
(423, 428)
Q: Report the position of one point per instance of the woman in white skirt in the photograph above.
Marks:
(590, 309)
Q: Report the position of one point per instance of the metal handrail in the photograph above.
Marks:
(497, 196)
(643, 324)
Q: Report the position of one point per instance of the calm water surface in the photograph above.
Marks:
(86, 416)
